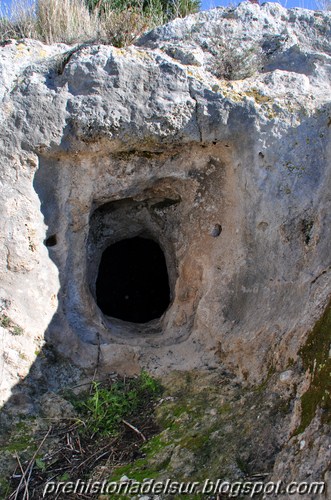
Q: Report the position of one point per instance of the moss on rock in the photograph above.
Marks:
(317, 361)
(212, 427)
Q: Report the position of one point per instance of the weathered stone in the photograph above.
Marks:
(54, 406)
(210, 136)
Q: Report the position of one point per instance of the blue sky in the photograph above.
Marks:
(306, 4)
(207, 4)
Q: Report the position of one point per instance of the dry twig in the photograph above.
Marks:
(27, 472)
(21, 468)
(137, 431)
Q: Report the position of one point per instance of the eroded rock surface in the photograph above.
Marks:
(210, 136)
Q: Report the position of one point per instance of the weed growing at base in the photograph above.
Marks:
(103, 411)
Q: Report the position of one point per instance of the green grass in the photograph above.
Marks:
(104, 410)
(98, 422)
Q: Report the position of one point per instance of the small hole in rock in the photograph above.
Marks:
(216, 230)
(132, 283)
(51, 241)
(307, 228)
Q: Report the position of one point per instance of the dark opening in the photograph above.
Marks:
(51, 241)
(132, 282)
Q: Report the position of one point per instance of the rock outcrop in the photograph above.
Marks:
(210, 136)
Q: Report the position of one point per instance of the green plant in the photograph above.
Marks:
(235, 61)
(64, 477)
(5, 321)
(104, 410)
(121, 28)
(182, 8)
(165, 9)
(17, 330)
(10, 325)
(40, 464)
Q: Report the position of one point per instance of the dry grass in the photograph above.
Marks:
(67, 21)
(324, 4)
(21, 23)
(70, 21)
(123, 27)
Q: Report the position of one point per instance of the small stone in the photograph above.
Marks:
(55, 407)
(125, 479)
(286, 377)
(216, 230)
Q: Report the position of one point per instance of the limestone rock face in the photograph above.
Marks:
(211, 136)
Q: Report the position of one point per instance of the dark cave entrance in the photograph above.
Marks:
(132, 283)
